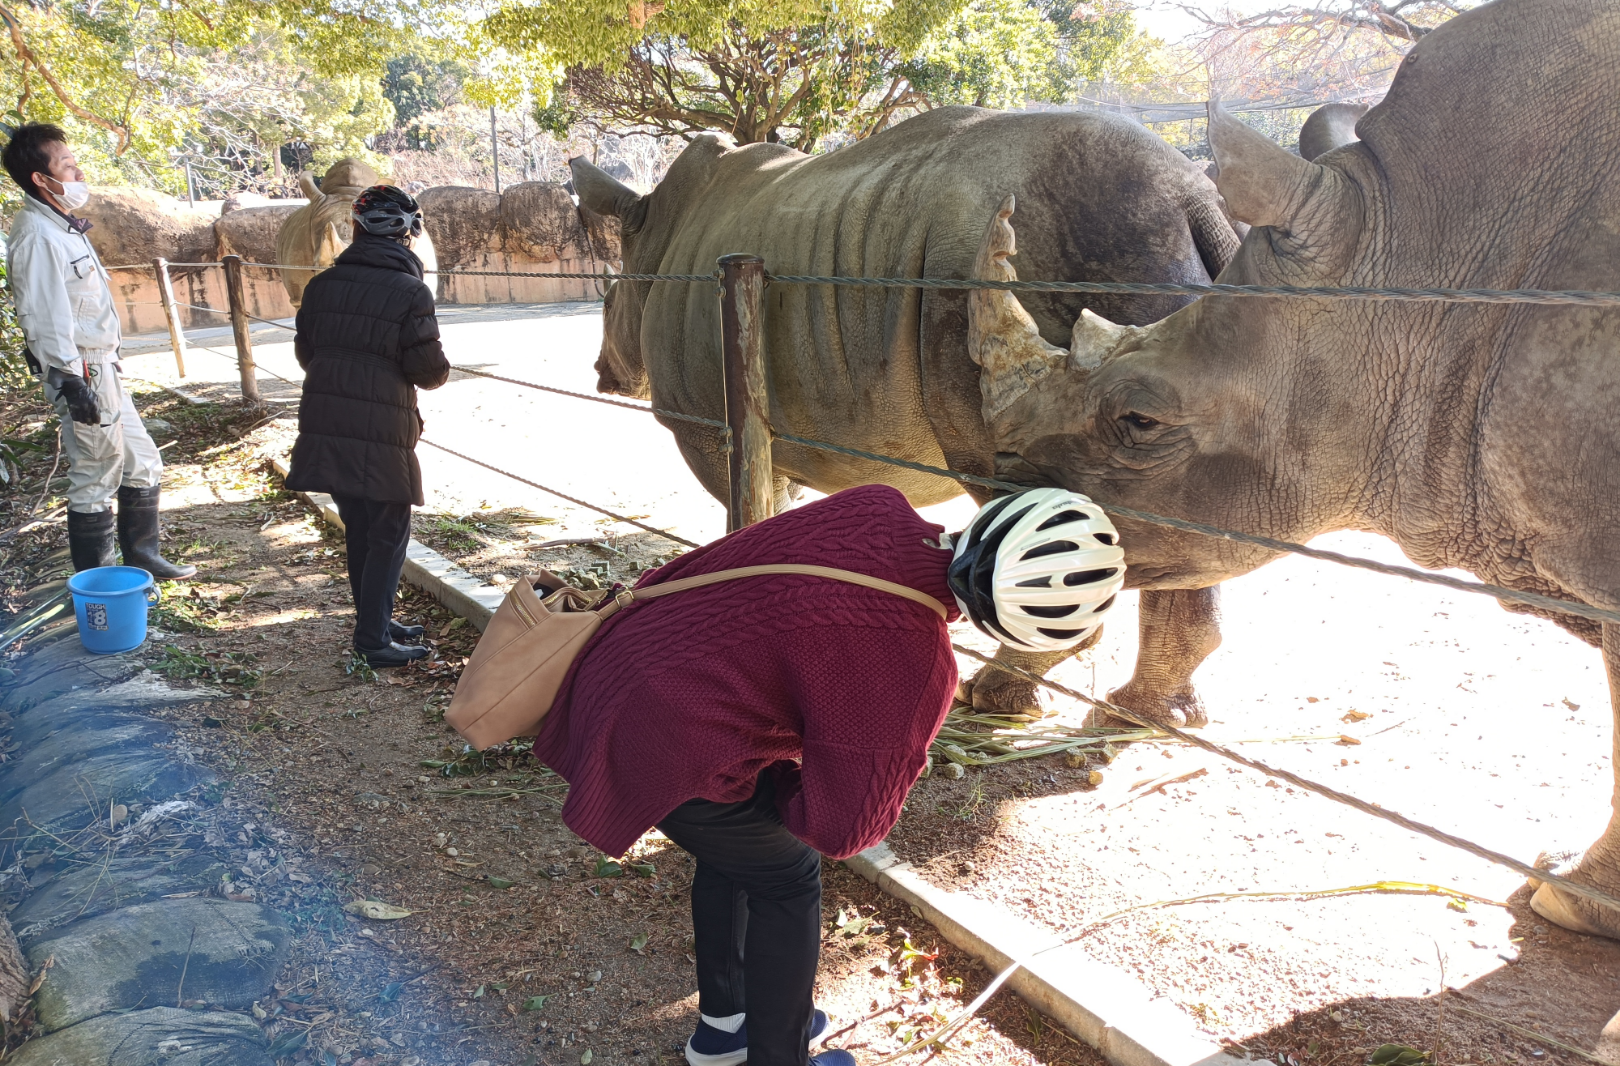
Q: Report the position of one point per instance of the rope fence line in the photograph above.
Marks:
(1422, 829)
(563, 495)
(1425, 295)
(217, 311)
(1499, 592)
(676, 415)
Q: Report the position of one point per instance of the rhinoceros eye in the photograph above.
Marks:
(1139, 421)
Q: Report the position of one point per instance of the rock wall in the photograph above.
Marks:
(531, 227)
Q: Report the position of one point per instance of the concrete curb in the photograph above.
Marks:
(1104, 1006)
(424, 568)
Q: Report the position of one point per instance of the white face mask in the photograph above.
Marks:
(74, 194)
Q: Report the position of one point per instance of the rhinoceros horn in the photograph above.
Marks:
(1002, 337)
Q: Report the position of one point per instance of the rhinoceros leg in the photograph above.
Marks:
(1179, 629)
(999, 692)
(1599, 865)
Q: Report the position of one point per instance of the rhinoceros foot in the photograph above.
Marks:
(1181, 707)
(1009, 695)
(1595, 867)
(1006, 695)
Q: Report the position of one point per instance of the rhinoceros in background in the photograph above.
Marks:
(317, 233)
(887, 370)
(1482, 436)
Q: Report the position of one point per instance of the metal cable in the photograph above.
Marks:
(1573, 887)
(1529, 599)
(245, 314)
(678, 416)
(1488, 296)
(603, 276)
(1431, 295)
(563, 495)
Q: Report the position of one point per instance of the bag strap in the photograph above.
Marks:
(629, 596)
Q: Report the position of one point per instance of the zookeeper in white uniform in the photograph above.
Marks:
(65, 308)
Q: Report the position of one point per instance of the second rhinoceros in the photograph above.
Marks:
(1477, 435)
(888, 370)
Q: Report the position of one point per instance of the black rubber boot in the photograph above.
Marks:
(90, 539)
(394, 654)
(400, 634)
(138, 534)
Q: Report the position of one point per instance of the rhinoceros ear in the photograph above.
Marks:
(599, 191)
(1263, 184)
(1330, 126)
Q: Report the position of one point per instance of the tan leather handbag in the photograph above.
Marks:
(512, 679)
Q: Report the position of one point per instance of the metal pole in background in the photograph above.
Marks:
(742, 345)
(172, 313)
(239, 328)
(494, 149)
(191, 195)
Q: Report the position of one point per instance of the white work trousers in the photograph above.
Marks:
(117, 452)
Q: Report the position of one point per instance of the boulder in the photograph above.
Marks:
(199, 950)
(84, 890)
(236, 201)
(160, 1036)
(251, 232)
(463, 222)
(138, 225)
(539, 220)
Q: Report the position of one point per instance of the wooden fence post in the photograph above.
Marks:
(239, 329)
(742, 344)
(172, 313)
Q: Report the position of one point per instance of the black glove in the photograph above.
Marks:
(76, 391)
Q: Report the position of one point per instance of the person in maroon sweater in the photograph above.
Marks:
(765, 722)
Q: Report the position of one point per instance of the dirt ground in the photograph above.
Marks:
(339, 763)
(523, 945)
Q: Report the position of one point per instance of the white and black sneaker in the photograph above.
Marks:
(712, 1046)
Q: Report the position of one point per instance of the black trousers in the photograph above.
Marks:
(377, 534)
(756, 916)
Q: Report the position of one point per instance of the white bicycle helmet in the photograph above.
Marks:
(1038, 570)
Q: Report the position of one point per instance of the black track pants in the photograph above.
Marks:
(376, 534)
(756, 915)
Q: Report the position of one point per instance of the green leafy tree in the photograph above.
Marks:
(143, 86)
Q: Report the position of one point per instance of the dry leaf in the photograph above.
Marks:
(381, 912)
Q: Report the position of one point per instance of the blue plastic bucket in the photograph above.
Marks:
(110, 603)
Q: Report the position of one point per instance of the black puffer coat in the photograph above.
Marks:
(367, 338)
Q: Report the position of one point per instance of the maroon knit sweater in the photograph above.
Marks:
(692, 695)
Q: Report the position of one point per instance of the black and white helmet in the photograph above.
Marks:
(385, 211)
(1038, 570)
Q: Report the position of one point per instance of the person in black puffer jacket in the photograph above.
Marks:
(367, 339)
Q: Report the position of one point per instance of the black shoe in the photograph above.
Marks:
(400, 634)
(138, 534)
(393, 655)
(90, 539)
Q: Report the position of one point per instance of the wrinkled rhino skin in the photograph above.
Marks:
(887, 370)
(1479, 437)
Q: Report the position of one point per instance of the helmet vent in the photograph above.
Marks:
(1061, 634)
(1056, 547)
(1063, 518)
(1106, 538)
(1042, 582)
(1062, 610)
(1102, 608)
(1087, 577)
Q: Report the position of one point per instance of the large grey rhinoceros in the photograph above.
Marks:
(887, 370)
(1475, 435)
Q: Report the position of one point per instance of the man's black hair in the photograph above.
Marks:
(24, 155)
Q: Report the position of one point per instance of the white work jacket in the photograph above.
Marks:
(64, 301)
